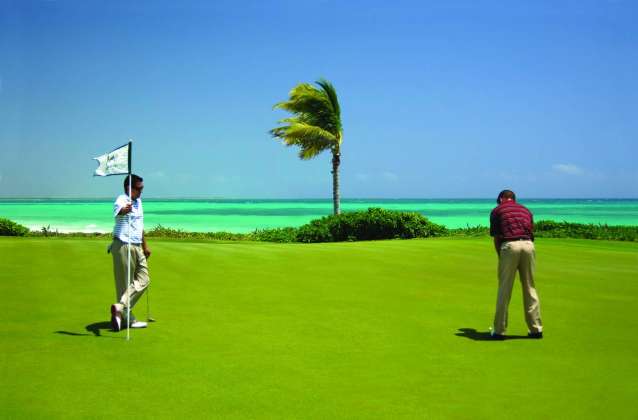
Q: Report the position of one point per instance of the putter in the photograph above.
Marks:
(149, 318)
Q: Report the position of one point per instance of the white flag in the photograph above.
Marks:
(114, 163)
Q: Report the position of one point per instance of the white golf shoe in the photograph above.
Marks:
(139, 324)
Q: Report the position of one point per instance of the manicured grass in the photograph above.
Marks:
(341, 330)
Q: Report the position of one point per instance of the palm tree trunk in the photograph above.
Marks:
(336, 160)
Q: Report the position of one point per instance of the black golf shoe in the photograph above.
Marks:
(116, 318)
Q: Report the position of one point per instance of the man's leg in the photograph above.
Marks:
(120, 265)
(142, 279)
(118, 251)
(527, 266)
(139, 278)
(507, 265)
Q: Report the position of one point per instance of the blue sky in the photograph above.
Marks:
(439, 99)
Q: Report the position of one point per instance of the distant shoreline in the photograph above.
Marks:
(110, 199)
(247, 215)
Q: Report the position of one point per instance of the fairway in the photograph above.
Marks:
(343, 330)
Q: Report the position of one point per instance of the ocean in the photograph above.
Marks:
(201, 215)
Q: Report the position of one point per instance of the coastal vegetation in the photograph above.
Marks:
(11, 228)
(314, 127)
(554, 229)
(372, 224)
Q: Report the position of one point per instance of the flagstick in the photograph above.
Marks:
(128, 286)
(128, 270)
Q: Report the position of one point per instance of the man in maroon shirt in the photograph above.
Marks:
(512, 226)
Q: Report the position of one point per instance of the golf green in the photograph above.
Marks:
(348, 330)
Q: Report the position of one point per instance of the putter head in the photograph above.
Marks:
(150, 319)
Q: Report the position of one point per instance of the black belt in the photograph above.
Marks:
(126, 243)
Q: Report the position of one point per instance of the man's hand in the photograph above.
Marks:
(147, 252)
(126, 209)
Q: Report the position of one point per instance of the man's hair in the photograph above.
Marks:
(134, 181)
(504, 195)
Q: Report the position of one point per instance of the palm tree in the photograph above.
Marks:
(315, 126)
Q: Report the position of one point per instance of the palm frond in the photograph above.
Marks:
(331, 93)
(309, 153)
(305, 131)
(307, 137)
(316, 121)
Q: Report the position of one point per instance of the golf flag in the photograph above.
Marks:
(117, 162)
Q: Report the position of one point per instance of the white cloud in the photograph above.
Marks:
(568, 168)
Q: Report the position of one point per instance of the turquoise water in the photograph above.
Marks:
(248, 215)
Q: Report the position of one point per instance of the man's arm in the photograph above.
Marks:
(498, 241)
(495, 231)
(147, 251)
(122, 206)
(531, 218)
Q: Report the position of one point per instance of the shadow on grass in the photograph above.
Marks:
(95, 329)
(70, 333)
(472, 334)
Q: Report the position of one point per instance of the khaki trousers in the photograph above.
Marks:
(139, 273)
(517, 256)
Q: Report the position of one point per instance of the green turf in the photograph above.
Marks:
(348, 330)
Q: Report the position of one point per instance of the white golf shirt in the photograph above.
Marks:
(121, 229)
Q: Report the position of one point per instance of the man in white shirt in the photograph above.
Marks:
(127, 206)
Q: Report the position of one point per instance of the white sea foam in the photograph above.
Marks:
(69, 229)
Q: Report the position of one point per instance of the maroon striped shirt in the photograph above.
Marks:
(511, 220)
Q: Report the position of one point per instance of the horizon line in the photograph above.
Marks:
(305, 198)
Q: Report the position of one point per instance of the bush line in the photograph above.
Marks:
(373, 224)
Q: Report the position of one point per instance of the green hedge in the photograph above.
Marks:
(287, 234)
(375, 223)
(11, 228)
(551, 229)
(160, 231)
(470, 231)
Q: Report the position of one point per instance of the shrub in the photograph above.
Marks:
(11, 228)
(375, 223)
(315, 231)
(551, 229)
(470, 231)
(286, 234)
(160, 231)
